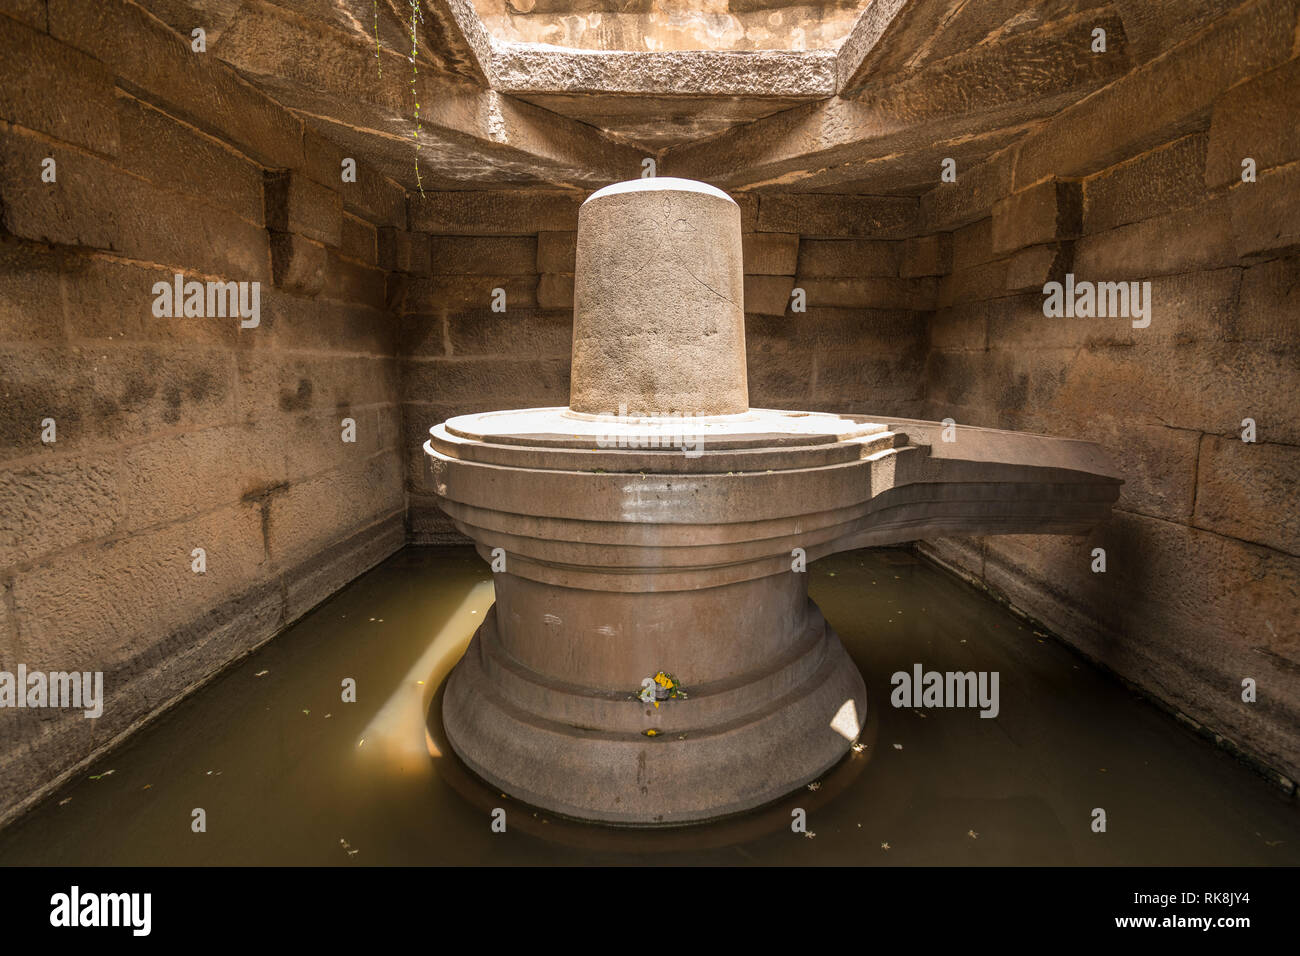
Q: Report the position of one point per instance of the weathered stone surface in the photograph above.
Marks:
(557, 251)
(1167, 94)
(319, 576)
(309, 515)
(768, 295)
(31, 292)
(1017, 323)
(428, 523)
(961, 326)
(373, 197)
(358, 239)
(770, 253)
(1046, 212)
(944, 208)
(1266, 214)
(99, 206)
(298, 264)
(926, 256)
(1187, 389)
(1034, 266)
(847, 257)
(423, 335)
(464, 291)
(173, 433)
(522, 333)
(96, 395)
(275, 385)
(411, 252)
(52, 88)
(494, 212)
(526, 69)
(972, 245)
(1270, 302)
(816, 215)
(295, 203)
(509, 256)
(1196, 237)
(1159, 181)
(656, 122)
(881, 25)
(181, 476)
(35, 496)
(866, 381)
(1153, 26)
(1021, 76)
(311, 443)
(778, 377)
(148, 55)
(30, 12)
(1248, 491)
(294, 323)
(351, 282)
(869, 332)
(519, 382)
(1255, 119)
(987, 280)
(88, 615)
(172, 154)
(108, 301)
(872, 293)
(555, 291)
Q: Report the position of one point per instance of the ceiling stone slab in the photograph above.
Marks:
(466, 132)
(659, 122)
(914, 171)
(530, 68)
(1023, 77)
(663, 99)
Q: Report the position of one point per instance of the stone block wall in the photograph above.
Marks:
(172, 434)
(1144, 181)
(858, 346)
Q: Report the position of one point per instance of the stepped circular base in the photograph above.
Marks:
(730, 746)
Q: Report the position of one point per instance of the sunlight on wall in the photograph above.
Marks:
(650, 25)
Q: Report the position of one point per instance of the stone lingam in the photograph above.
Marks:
(658, 524)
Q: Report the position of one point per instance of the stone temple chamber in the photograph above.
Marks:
(648, 434)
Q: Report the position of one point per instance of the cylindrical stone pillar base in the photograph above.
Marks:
(543, 705)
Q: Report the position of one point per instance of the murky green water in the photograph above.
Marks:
(289, 774)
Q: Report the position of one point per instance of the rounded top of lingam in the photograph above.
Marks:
(659, 321)
(658, 184)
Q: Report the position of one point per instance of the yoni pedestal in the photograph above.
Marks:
(667, 544)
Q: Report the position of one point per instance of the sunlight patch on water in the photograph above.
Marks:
(398, 731)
